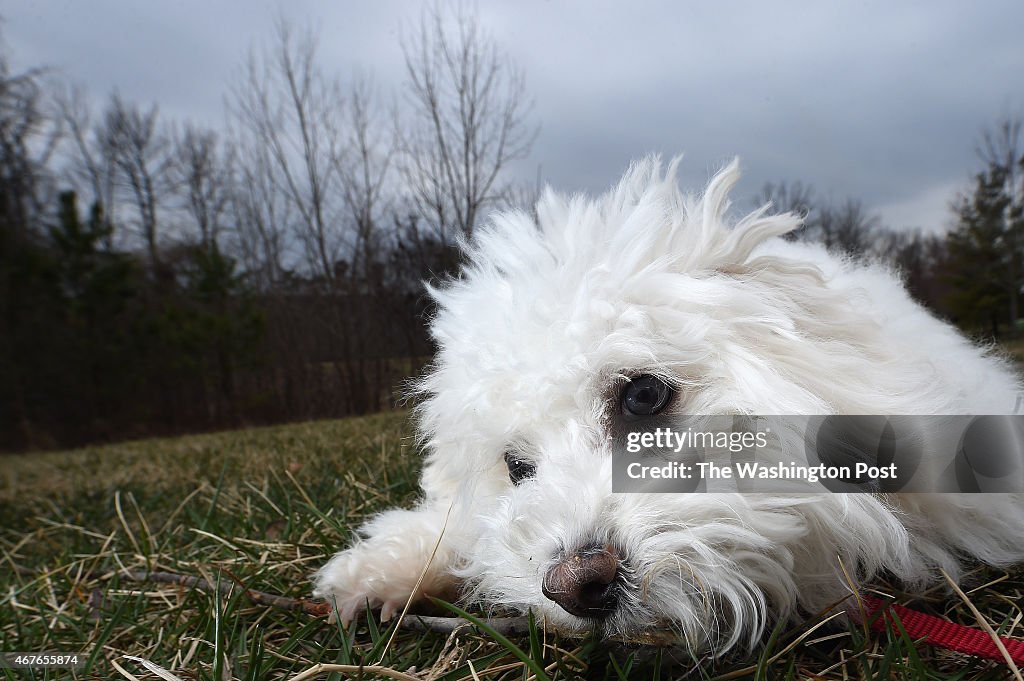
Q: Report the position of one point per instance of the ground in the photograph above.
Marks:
(263, 508)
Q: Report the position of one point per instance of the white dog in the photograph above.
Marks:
(645, 301)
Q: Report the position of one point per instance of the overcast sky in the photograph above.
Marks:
(880, 101)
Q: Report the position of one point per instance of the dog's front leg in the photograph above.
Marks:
(383, 569)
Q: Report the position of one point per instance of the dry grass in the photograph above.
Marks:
(1015, 350)
(262, 508)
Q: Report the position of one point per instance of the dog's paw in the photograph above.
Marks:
(361, 578)
(401, 559)
(352, 607)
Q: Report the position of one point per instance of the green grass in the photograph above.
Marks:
(263, 508)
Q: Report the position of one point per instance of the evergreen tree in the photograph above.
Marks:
(986, 249)
(99, 291)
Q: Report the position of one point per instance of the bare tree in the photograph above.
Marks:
(92, 159)
(28, 137)
(288, 114)
(260, 217)
(789, 197)
(204, 170)
(364, 175)
(847, 228)
(322, 163)
(467, 119)
(143, 155)
(1003, 147)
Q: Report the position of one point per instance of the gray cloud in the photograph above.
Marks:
(875, 100)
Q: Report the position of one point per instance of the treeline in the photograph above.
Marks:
(158, 277)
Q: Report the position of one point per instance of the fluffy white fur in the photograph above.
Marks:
(538, 331)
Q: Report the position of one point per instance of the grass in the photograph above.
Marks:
(263, 508)
(1015, 350)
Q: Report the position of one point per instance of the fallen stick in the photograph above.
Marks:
(306, 605)
(509, 626)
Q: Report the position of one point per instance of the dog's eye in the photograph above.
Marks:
(646, 395)
(519, 469)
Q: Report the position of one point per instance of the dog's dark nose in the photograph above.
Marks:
(584, 583)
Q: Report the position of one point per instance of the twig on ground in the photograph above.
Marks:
(306, 605)
(513, 626)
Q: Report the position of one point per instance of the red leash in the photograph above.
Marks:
(942, 633)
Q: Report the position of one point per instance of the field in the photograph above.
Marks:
(260, 509)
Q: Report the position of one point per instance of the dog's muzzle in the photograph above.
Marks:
(585, 583)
